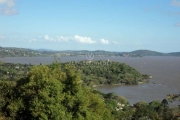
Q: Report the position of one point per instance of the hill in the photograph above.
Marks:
(174, 54)
(20, 52)
(92, 73)
(23, 52)
(141, 53)
(148, 53)
(108, 73)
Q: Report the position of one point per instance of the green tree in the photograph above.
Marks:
(54, 93)
(164, 110)
(143, 112)
(154, 105)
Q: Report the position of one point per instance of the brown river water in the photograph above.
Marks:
(164, 70)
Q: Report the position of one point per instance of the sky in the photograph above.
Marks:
(111, 25)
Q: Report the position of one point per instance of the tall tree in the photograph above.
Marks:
(53, 92)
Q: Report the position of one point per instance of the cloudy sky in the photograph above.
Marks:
(112, 25)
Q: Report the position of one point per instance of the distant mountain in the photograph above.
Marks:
(148, 53)
(174, 54)
(141, 53)
(19, 52)
(23, 52)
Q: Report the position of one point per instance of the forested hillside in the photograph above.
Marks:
(107, 72)
(56, 92)
(92, 73)
(141, 53)
(18, 52)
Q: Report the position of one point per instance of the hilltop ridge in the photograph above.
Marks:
(24, 52)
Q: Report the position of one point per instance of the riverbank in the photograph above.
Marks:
(123, 84)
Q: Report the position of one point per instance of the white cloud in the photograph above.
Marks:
(76, 38)
(62, 38)
(103, 41)
(9, 7)
(46, 37)
(85, 40)
(175, 3)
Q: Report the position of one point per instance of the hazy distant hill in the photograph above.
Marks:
(141, 53)
(23, 52)
(19, 52)
(174, 54)
(148, 53)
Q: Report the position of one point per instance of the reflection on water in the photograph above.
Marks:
(165, 72)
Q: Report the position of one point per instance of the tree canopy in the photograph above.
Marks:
(108, 72)
(51, 93)
(57, 92)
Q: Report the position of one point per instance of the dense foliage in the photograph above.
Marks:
(155, 110)
(10, 71)
(51, 93)
(106, 72)
(56, 92)
(92, 73)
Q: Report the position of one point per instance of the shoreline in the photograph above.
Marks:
(120, 84)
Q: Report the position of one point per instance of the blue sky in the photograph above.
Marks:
(112, 25)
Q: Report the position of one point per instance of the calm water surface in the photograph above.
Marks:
(165, 72)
